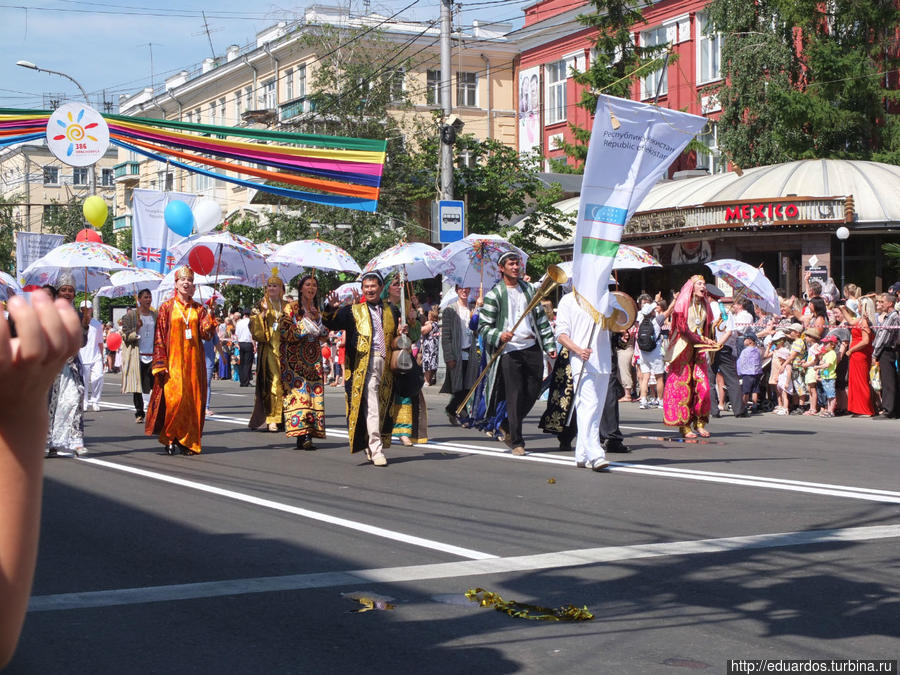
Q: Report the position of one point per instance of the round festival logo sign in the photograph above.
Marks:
(77, 134)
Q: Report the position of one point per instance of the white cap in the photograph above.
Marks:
(86, 303)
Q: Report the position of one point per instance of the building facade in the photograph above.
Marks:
(270, 85)
(36, 182)
(553, 42)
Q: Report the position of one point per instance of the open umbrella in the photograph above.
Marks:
(235, 256)
(472, 261)
(345, 291)
(418, 260)
(167, 285)
(633, 258)
(314, 254)
(202, 294)
(748, 282)
(8, 286)
(89, 262)
(129, 282)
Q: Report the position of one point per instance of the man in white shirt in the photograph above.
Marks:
(245, 346)
(590, 361)
(92, 358)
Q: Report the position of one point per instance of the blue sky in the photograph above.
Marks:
(107, 44)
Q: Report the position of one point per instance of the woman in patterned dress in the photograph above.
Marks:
(302, 375)
(431, 334)
(686, 401)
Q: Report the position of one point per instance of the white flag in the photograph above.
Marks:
(632, 145)
(33, 245)
(151, 238)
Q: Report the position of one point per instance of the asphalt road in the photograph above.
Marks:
(776, 539)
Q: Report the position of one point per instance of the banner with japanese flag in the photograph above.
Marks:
(632, 145)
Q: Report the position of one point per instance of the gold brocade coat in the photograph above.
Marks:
(357, 322)
(268, 405)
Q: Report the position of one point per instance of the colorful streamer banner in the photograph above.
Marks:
(632, 145)
(333, 170)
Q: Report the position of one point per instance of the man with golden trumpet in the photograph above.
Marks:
(523, 343)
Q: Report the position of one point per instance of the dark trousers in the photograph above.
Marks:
(246, 364)
(725, 363)
(889, 382)
(146, 386)
(521, 371)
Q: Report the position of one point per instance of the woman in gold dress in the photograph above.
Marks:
(264, 326)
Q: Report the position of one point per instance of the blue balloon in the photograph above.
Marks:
(179, 218)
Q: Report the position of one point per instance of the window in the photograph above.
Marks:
(267, 99)
(301, 81)
(222, 109)
(201, 182)
(289, 84)
(51, 175)
(556, 92)
(106, 177)
(712, 160)
(709, 51)
(395, 83)
(80, 175)
(237, 106)
(433, 87)
(49, 214)
(658, 80)
(248, 98)
(466, 89)
(165, 180)
(212, 113)
(465, 160)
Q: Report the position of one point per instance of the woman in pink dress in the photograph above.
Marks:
(686, 400)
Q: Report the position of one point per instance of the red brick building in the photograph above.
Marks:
(552, 42)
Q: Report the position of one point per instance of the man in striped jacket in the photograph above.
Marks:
(521, 366)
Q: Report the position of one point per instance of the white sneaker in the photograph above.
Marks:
(95, 407)
(600, 464)
(655, 403)
(379, 460)
(644, 404)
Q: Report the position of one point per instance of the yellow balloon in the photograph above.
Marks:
(95, 211)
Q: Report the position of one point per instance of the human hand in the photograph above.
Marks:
(552, 353)
(583, 354)
(48, 333)
(505, 337)
(403, 330)
(332, 298)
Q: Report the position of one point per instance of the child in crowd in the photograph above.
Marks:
(827, 370)
(749, 369)
(781, 372)
(811, 376)
(795, 360)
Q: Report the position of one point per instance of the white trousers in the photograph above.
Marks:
(589, 400)
(93, 382)
(370, 412)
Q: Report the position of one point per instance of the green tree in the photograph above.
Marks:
(806, 80)
(618, 63)
(7, 234)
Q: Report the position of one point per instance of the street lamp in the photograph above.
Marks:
(842, 233)
(28, 64)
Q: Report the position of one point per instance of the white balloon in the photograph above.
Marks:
(207, 214)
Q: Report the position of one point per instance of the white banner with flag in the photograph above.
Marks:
(31, 246)
(632, 145)
(151, 238)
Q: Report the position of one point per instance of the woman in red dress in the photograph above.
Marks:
(860, 354)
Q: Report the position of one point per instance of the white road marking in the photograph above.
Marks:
(825, 489)
(388, 575)
(295, 510)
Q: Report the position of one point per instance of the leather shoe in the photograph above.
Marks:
(170, 449)
(743, 414)
(618, 447)
(518, 451)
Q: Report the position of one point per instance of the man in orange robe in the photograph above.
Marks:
(177, 405)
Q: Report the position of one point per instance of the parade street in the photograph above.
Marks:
(775, 539)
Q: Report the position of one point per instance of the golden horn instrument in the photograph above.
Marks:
(555, 277)
(621, 319)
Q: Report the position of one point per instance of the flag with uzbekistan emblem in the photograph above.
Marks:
(151, 238)
(632, 145)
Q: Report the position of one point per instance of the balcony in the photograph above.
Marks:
(122, 222)
(295, 108)
(127, 172)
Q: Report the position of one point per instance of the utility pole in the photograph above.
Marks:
(446, 89)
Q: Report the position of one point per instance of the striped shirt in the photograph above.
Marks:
(377, 330)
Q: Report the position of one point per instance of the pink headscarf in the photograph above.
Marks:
(680, 311)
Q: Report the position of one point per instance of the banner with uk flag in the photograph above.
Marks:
(632, 145)
(151, 239)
